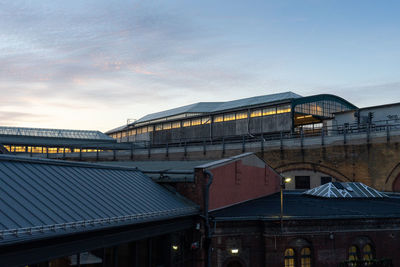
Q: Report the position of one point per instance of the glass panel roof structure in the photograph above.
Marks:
(344, 190)
(54, 133)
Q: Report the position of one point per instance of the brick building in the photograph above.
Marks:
(315, 231)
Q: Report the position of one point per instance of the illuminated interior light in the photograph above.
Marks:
(234, 250)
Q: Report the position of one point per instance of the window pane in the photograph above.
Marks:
(256, 113)
(186, 123)
(166, 126)
(269, 111)
(367, 253)
(206, 120)
(283, 109)
(158, 127)
(302, 182)
(176, 124)
(196, 122)
(241, 115)
(218, 118)
(305, 257)
(229, 117)
(353, 253)
(289, 258)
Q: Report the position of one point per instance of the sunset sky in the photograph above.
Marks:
(94, 64)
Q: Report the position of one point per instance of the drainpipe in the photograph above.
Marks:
(207, 221)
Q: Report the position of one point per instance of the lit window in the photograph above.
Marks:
(289, 258)
(229, 117)
(283, 109)
(218, 118)
(269, 111)
(150, 128)
(196, 122)
(176, 124)
(52, 150)
(367, 253)
(158, 127)
(353, 253)
(186, 123)
(205, 120)
(124, 133)
(166, 126)
(241, 115)
(256, 113)
(305, 257)
(132, 132)
(138, 130)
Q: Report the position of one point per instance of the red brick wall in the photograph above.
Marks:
(241, 180)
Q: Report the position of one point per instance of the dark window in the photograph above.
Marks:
(326, 179)
(302, 182)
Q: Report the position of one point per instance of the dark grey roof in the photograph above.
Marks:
(299, 206)
(54, 133)
(165, 167)
(201, 107)
(344, 190)
(42, 198)
(256, 100)
(207, 107)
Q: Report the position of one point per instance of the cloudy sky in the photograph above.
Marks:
(84, 64)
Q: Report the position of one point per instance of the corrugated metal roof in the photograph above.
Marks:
(40, 198)
(344, 190)
(54, 133)
(257, 100)
(201, 107)
(207, 107)
(296, 205)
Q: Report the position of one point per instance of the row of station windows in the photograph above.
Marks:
(205, 120)
(354, 254)
(321, 108)
(50, 150)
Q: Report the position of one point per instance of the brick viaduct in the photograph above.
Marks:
(371, 158)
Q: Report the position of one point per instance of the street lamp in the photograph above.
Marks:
(284, 180)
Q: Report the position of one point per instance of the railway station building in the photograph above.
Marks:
(255, 116)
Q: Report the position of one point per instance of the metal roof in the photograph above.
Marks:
(42, 198)
(201, 107)
(256, 100)
(207, 107)
(54, 133)
(296, 205)
(344, 190)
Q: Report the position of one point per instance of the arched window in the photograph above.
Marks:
(289, 258)
(305, 257)
(367, 252)
(353, 253)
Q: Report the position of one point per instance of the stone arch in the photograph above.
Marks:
(310, 166)
(234, 262)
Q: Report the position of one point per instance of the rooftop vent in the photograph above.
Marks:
(344, 190)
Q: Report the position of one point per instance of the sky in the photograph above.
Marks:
(93, 64)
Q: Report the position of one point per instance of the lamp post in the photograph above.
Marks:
(284, 180)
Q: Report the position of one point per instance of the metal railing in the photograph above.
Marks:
(387, 126)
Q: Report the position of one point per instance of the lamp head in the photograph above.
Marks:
(287, 180)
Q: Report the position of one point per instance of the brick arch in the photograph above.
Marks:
(392, 182)
(396, 184)
(234, 260)
(310, 166)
